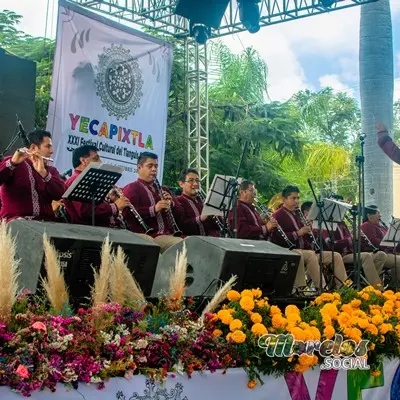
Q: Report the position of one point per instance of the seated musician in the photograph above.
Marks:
(191, 220)
(28, 183)
(250, 225)
(288, 217)
(375, 231)
(372, 263)
(158, 212)
(106, 213)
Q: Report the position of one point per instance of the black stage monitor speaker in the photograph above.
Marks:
(79, 249)
(212, 260)
(17, 96)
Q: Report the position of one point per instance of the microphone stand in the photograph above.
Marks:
(231, 192)
(361, 206)
(20, 134)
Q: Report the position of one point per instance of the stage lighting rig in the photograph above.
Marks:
(249, 14)
(327, 3)
(203, 15)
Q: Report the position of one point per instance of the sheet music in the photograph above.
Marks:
(392, 237)
(333, 210)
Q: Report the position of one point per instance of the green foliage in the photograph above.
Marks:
(396, 121)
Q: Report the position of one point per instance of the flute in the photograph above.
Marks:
(26, 151)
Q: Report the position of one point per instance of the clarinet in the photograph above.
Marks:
(215, 218)
(305, 223)
(383, 224)
(364, 237)
(170, 216)
(265, 212)
(133, 211)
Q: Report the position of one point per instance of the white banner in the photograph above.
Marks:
(313, 384)
(110, 88)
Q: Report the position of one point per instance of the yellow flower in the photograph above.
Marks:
(233, 295)
(324, 298)
(372, 346)
(279, 322)
(365, 296)
(300, 368)
(347, 308)
(238, 336)
(256, 318)
(247, 303)
(293, 318)
(291, 309)
(313, 322)
(362, 323)
(375, 373)
(235, 324)
(257, 293)
(348, 282)
(259, 329)
(252, 384)
(385, 328)
(307, 360)
(330, 310)
(229, 337)
(329, 332)
(355, 303)
(355, 334)
(397, 329)
(377, 320)
(327, 320)
(225, 317)
(372, 329)
(297, 333)
(275, 310)
(247, 293)
(260, 303)
(382, 339)
(344, 319)
(316, 333)
(217, 332)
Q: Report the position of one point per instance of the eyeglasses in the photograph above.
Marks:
(193, 181)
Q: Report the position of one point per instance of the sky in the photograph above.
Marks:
(310, 53)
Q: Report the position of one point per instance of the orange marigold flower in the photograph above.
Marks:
(356, 303)
(247, 303)
(259, 329)
(252, 384)
(298, 333)
(316, 333)
(275, 310)
(257, 293)
(372, 329)
(365, 296)
(327, 320)
(278, 321)
(313, 322)
(344, 319)
(329, 332)
(377, 320)
(330, 310)
(217, 332)
(293, 318)
(385, 328)
(291, 309)
(229, 337)
(375, 373)
(260, 303)
(371, 346)
(307, 360)
(247, 293)
(225, 317)
(256, 318)
(238, 336)
(235, 324)
(300, 368)
(233, 295)
(362, 323)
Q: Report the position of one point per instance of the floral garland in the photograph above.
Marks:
(39, 349)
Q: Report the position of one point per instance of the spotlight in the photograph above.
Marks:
(249, 13)
(200, 33)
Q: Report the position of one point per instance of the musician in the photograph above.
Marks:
(29, 184)
(106, 213)
(250, 225)
(191, 220)
(288, 218)
(158, 213)
(375, 231)
(372, 263)
(386, 143)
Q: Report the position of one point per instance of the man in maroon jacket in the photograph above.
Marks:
(106, 213)
(155, 211)
(375, 232)
(250, 225)
(191, 220)
(372, 263)
(290, 222)
(28, 184)
(385, 142)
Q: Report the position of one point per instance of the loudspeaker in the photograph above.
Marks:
(211, 260)
(17, 96)
(79, 250)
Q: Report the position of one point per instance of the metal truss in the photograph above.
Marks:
(159, 15)
(197, 108)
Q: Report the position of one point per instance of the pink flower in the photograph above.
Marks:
(39, 326)
(22, 371)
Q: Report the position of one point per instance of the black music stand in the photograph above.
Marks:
(93, 185)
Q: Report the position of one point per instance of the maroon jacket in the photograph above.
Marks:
(375, 234)
(290, 223)
(144, 197)
(25, 194)
(189, 218)
(249, 224)
(106, 214)
(343, 242)
(385, 142)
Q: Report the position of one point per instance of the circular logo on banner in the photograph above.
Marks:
(119, 82)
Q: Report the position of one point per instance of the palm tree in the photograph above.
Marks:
(376, 92)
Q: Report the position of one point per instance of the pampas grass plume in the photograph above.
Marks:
(101, 287)
(177, 280)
